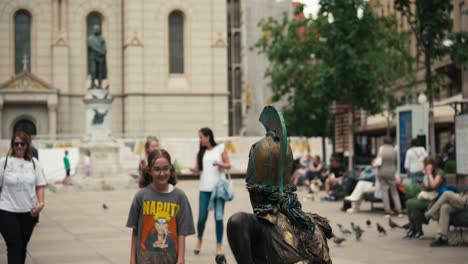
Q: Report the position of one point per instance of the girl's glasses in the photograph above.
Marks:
(158, 170)
(19, 144)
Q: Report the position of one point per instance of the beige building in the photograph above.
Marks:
(166, 65)
(248, 88)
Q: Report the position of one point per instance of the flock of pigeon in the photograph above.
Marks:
(358, 231)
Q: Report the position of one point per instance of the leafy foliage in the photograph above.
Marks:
(314, 62)
(431, 23)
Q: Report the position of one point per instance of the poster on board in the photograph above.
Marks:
(404, 136)
(461, 143)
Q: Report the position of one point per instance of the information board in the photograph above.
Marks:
(405, 135)
(461, 134)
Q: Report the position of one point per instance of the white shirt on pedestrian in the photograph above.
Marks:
(19, 180)
(414, 155)
(87, 161)
(211, 174)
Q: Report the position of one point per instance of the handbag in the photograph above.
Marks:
(229, 190)
(378, 162)
(426, 195)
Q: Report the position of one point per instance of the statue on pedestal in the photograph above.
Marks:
(97, 66)
(278, 231)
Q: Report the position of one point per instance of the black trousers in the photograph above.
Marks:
(16, 229)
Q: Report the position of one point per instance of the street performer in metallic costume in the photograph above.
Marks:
(278, 231)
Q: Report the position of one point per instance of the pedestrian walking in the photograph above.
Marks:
(160, 215)
(21, 196)
(212, 161)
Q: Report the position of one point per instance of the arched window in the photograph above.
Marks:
(94, 18)
(25, 125)
(22, 20)
(176, 42)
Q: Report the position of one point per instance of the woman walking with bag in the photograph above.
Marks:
(21, 196)
(212, 160)
(386, 177)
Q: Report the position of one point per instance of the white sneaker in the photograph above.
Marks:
(351, 210)
(348, 198)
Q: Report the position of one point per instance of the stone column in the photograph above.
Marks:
(52, 120)
(1, 116)
(60, 63)
(464, 28)
(133, 68)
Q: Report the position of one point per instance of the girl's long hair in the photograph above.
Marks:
(207, 132)
(26, 138)
(429, 160)
(150, 139)
(147, 179)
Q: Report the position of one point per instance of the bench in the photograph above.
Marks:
(459, 236)
(369, 197)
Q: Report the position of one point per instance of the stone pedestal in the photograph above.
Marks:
(106, 171)
(98, 115)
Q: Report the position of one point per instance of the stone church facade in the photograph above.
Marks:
(166, 65)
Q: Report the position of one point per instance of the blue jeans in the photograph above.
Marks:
(203, 215)
(416, 178)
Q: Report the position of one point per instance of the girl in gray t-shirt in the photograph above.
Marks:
(160, 215)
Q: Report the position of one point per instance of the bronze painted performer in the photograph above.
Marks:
(278, 231)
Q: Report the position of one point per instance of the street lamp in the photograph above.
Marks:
(360, 12)
(422, 98)
(331, 19)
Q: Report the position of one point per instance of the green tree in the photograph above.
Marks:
(346, 55)
(431, 23)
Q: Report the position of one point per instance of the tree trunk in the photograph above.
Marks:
(430, 95)
(388, 119)
(351, 140)
(324, 150)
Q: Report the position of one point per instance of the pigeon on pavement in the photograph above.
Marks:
(381, 230)
(338, 240)
(392, 224)
(358, 231)
(344, 230)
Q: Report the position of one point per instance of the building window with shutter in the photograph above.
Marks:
(176, 42)
(23, 22)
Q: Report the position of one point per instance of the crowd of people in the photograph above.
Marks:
(161, 217)
(380, 181)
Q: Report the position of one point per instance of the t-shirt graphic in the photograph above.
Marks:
(159, 229)
(160, 218)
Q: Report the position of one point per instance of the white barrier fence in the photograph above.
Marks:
(182, 150)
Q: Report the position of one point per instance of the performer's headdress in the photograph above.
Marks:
(270, 159)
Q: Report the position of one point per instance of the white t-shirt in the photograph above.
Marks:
(19, 181)
(414, 155)
(211, 174)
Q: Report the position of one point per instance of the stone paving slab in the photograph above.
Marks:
(75, 229)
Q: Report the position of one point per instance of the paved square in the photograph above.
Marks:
(75, 229)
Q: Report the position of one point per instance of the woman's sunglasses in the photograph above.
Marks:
(19, 144)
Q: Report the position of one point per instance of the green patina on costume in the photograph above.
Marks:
(272, 197)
